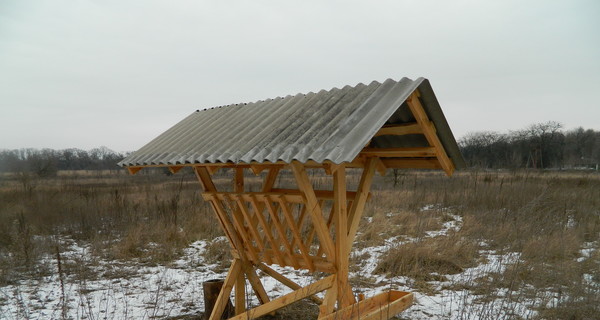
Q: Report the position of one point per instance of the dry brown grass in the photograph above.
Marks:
(544, 217)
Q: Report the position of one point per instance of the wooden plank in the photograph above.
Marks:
(290, 195)
(329, 224)
(314, 209)
(287, 299)
(398, 130)
(358, 205)
(223, 297)
(281, 231)
(429, 131)
(285, 281)
(300, 224)
(424, 152)
(238, 221)
(329, 300)
(412, 163)
(382, 306)
(251, 226)
(320, 194)
(296, 234)
(267, 231)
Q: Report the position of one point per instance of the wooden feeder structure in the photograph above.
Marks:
(374, 127)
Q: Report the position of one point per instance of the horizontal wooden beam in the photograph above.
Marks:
(399, 152)
(398, 130)
(289, 195)
(412, 163)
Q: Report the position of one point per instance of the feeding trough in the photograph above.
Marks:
(372, 128)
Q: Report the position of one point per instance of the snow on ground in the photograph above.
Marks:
(130, 290)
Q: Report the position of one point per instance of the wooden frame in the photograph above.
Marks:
(306, 228)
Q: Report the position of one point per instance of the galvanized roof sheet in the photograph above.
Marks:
(329, 125)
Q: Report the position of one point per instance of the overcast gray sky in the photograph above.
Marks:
(86, 74)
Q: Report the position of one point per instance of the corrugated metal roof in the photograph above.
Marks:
(329, 125)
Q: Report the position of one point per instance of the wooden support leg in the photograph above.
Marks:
(223, 298)
(328, 305)
(257, 286)
(342, 247)
(285, 281)
(240, 293)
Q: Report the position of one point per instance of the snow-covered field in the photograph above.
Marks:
(133, 290)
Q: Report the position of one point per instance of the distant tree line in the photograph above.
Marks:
(539, 146)
(47, 162)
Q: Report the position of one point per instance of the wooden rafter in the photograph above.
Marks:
(424, 152)
(429, 131)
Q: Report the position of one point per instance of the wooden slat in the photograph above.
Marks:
(238, 221)
(296, 233)
(311, 233)
(402, 129)
(300, 224)
(425, 152)
(281, 231)
(287, 299)
(320, 194)
(267, 231)
(223, 297)
(412, 163)
(358, 206)
(290, 195)
(382, 306)
(251, 226)
(285, 281)
(313, 208)
(329, 223)
(429, 131)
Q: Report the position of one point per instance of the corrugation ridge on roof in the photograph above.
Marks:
(325, 149)
(383, 102)
(278, 114)
(261, 131)
(282, 135)
(147, 153)
(243, 140)
(337, 108)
